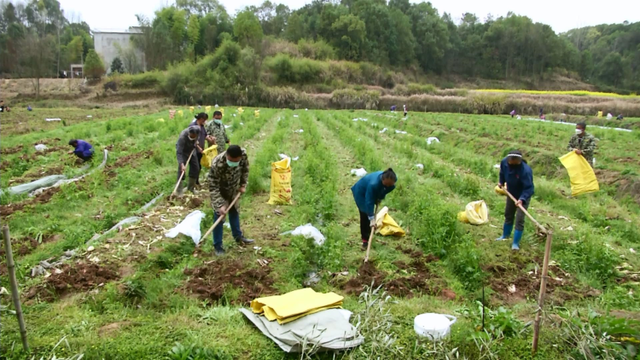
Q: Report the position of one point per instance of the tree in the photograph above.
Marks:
(36, 58)
(611, 71)
(193, 33)
(93, 66)
(116, 66)
(247, 29)
(349, 36)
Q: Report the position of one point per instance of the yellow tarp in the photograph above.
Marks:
(583, 179)
(280, 193)
(208, 155)
(475, 213)
(294, 305)
(386, 225)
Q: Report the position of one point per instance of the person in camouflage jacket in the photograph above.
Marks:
(215, 128)
(582, 143)
(228, 175)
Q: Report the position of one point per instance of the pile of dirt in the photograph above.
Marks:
(421, 280)
(6, 210)
(72, 279)
(47, 141)
(212, 280)
(26, 245)
(129, 159)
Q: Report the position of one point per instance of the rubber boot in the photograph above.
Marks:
(192, 185)
(517, 236)
(181, 189)
(506, 232)
(244, 241)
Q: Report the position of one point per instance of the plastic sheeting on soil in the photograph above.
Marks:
(308, 231)
(68, 181)
(190, 226)
(41, 147)
(432, 139)
(359, 172)
(46, 181)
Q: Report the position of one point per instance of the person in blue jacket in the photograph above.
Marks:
(368, 192)
(516, 177)
(83, 149)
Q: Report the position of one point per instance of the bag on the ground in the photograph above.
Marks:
(280, 182)
(583, 179)
(385, 224)
(475, 213)
(208, 155)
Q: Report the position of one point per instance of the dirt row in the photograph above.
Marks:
(44, 197)
(72, 278)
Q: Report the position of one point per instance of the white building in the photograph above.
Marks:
(110, 44)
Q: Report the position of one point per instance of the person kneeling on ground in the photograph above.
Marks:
(369, 191)
(516, 177)
(228, 175)
(186, 144)
(83, 149)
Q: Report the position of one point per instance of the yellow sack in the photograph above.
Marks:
(475, 213)
(222, 111)
(256, 113)
(191, 108)
(385, 224)
(280, 182)
(295, 304)
(500, 191)
(208, 155)
(599, 114)
(180, 113)
(160, 120)
(240, 110)
(583, 179)
(207, 109)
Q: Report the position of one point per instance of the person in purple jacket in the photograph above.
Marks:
(83, 149)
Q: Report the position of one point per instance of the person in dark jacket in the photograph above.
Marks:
(187, 142)
(516, 177)
(199, 121)
(368, 192)
(82, 149)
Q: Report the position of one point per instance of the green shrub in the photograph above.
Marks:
(317, 50)
(350, 99)
(147, 80)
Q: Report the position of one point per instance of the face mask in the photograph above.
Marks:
(192, 139)
(219, 122)
(233, 163)
(579, 131)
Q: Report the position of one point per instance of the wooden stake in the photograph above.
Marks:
(545, 271)
(366, 258)
(220, 218)
(543, 290)
(182, 175)
(14, 287)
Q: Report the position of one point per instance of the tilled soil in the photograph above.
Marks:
(73, 278)
(421, 280)
(26, 245)
(212, 280)
(561, 287)
(6, 210)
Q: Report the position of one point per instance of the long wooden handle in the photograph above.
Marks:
(182, 174)
(525, 211)
(366, 258)
(220, 218)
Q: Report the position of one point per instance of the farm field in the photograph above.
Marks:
(137, 294)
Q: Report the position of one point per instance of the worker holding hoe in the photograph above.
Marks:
(370, 191)
(217, 132)
(228, 175)
(185, 147)
(516, 177)
(582, 143)
(82, 149)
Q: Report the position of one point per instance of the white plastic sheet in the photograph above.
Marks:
(34, 185)
(359, 172)
(420, 166)
(308, 231)
(298, 131)
(432, 139)
(190, 226)
(400, 132)
(41, 147)
(383, 130)
(52, 119)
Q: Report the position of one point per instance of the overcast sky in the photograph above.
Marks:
(562, 15)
